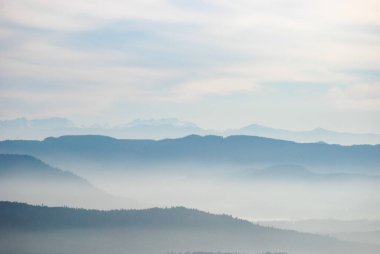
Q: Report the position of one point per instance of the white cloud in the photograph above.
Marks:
(84, 14)
(44, 15)
(44, 61)
(197, 89)
(356, 97)
(80, 15)
(184, 53)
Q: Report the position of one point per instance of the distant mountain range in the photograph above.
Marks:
(153, 230)
(101, 153)
(309, 136)
(23, 128)
(25, 178)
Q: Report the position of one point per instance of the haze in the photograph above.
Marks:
(190, 127)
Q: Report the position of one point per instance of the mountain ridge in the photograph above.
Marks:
(22, 128)
(240, 150)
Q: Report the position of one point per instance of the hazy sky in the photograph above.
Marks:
(292, 64)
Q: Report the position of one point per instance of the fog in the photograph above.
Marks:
(94, 241)
(54, 193)
(215, 189)
(364, 231)
(250, 199)
(282, 196)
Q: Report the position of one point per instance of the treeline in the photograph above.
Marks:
(19, 215)
(165, 226)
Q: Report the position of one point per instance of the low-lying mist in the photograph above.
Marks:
(261, 193)
(266, 200)
(231, 190)
(115, 241)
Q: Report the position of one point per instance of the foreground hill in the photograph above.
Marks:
(71, 151)
(156, 230)
(25, 178)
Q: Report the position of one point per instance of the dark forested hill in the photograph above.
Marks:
(21, 215)
(242, 150)
(153, 230)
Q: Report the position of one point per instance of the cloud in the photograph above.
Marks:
(87, 14)
(42, 60)
(356, 97)
(50, 15)
(175, 51)
(197, 89)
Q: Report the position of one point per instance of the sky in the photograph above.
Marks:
(292, 64)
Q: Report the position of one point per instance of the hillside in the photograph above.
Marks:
(153, 230)
(25, 178)
(15, 166)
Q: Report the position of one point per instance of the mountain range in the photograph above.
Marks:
(100, 152)
(23, 128)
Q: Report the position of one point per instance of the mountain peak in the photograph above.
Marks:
(319, 129)
(255, 126)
